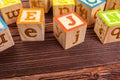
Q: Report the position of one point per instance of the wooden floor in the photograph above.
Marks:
(49, 61)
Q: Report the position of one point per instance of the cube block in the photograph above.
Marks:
(69, 29)
(63, 6)
(46, 4)
(107, 26)
(31, 24)
(89, 8)
(6, 40)
(10, 10)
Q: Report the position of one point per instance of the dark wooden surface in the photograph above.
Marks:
(48, 58)
(109, 72)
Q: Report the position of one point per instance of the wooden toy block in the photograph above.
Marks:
(46, 4)
(88, 9)
(63, 6)
(69, 29)
(6, 40)
(112, 4)
(107, 26)
(31, 24)
(10, 10)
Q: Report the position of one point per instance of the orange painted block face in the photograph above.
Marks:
(70, 21)
(31, 16)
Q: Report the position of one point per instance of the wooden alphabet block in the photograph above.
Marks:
(46, 4)
(6, 40)
(69, 29)
(10, 10)
(112, 4)
(107, 26)
(31, 24)
(63, 6)
(88, 9)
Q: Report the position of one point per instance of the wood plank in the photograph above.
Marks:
(109, 72)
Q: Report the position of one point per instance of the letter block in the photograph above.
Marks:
(88, 9)
(112, 4)
(6, 40)
(31, 24)
(63, 6)
(10, 10)
(107, 26)
(46, 4)
(69, 29)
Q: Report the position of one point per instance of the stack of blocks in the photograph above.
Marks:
(10, 10)
(69, 29)
(107, 26)
(46, 4)
(6, 39)
(89, 8)
(63, 6)
(31, 24)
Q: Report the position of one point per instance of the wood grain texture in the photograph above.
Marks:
(109, 72)
(92, 59)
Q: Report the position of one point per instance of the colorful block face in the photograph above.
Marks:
(92, 3)
(31, 16)
(63, 2)
(70, 21)
(111, 17)
(7, 3)
(3, 25)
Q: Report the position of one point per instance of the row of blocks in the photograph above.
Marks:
(69, 29)
(85, 8)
